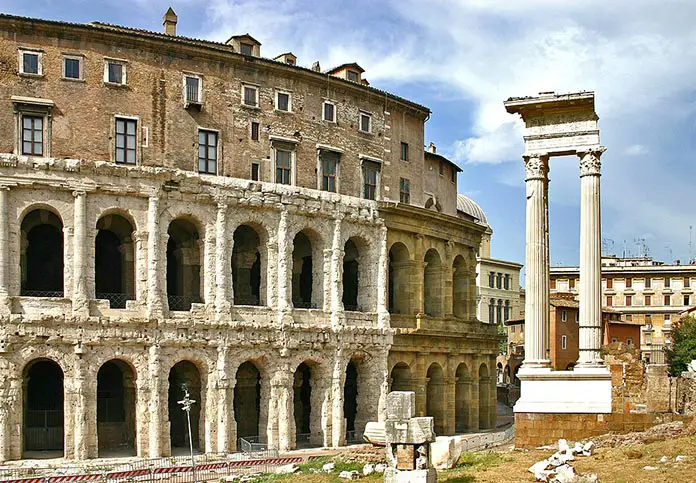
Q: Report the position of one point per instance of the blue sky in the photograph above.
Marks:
(463, 58)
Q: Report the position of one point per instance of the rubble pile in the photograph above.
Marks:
(660, 432)
(557, 468)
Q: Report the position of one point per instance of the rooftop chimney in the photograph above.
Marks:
(432, 148)
(169, 21)
(316, 67)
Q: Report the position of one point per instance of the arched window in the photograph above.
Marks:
(41, 258)
(432, 284)
(183, 265)
(247, 272)
(307, 270)
(400, 292)
(114, 261)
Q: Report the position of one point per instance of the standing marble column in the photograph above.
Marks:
(222, 263)
(156, 408)
(382, 272)
(284, 262)
(537, 266)
(155, 308)
(336, 282)
(4, 253)
(80, 300)
(590, 259)
(225, 406)
(338, 421)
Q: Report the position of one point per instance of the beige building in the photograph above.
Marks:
(178, 212)
(644, 291)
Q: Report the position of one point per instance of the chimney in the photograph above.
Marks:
(432, 148)
(169, 21)
(316, 67)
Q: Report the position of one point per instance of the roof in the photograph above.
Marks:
(244, 36)
(468, 206)
(439, 157)
(339, 68)
(564, 302)
(219, 47)
(515, 321)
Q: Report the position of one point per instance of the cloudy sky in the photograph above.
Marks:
(463, 58)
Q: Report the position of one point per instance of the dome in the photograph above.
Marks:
(469, 207)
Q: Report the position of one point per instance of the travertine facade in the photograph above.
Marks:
(176, 211)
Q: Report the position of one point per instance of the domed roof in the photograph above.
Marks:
(469, 207)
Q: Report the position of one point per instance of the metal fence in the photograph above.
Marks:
(42, 293)
(655, 354)
(255, 447)
(182, 302)
(116, 300)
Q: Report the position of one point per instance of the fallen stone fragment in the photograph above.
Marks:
(349, 475)
(564, 474)
(563, 445)
(539, 470)
(649, 468)
(588, 448)
(664, 459)
(380, 467)
(680, 458)
(329, 467)
(368, 469)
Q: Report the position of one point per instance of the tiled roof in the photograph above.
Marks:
(470, 207)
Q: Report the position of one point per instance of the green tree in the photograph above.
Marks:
(683, 349)
(502, 339)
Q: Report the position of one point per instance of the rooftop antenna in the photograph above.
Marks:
(671, 257)
(607, 246)
(643, 249)
(691, 253)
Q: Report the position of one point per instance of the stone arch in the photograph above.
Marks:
(462, 398)
(184, 263)
(351, 275)
(484, 384)
(249, 264)
(307, 269)
(114, 259)
(302, 403)
(432, 284)
(247, 402)
(41, 254)
(460, 287)
(401, 377)
(350, 399)
(499, 372)
(184, 374)
(116, 407)
(400, 291)
(435, 396)
(43, 412)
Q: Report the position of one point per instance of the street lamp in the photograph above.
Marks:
(186, 404)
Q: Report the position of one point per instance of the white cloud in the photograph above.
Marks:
(636, 150)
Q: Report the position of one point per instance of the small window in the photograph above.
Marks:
(610, 283)
(32, 135)
(564, 342)
(648, 282)
(668, 282)
(506, 282)
(72, 67)
(404, 190)
(453, 175)
(246, 49)
(667, 317)
(365, 122)
(329, 112)
(629, 300)
(329, 170)
(283, 166)
(629, 282)
(283, 101)
(648, 300)
(352, 76)
(564, 316)
(207, 151)
(687, 282)
(610, 301)
(404, 151)
(193, 92)
(126, 140)
(254, 131)
(668, 300)
(251, 96)
(370, 179)
(687, 300)
(491, 280)
(571, 283)
(30, 62)
(115, 72)
(614, 339)
(441, 169)
(629, 341)
(255, 171)
(553, 284)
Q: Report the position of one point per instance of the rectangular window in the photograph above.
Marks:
(499, 281)
(610, 282)
(72, 68)
(404, 151)
(329, 112)
(283, 166)
(564, 316)
(192, 88)
(365, 122)
(32, 135)
(668, 282)
(648, 300)
(453, 175)
(629, 300)
(114, 72)
(648, 282)
(283, 101)
(564, 342)
(352, 76)
(687, 282)
(30, 63)
(126, 137)
(255, 171)
(610, 301)
(370, 184)
(491, 280)
(329, 168)
(441, 169)
(668, 317)
(207, 151)
(687, 300)
(668, 300)
(246, 49)
(629, 282)
(506, 283)
(553, 284)
(251, 96)
(404, 190)
(571, 283)
(254, 131)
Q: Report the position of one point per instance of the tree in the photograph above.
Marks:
(502, 340)
(683, 347)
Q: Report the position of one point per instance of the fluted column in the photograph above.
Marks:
(80, 300)
(537, 263)
(590, 259)
(382, 271)
(155, 306)
(336, 282)
(4, 253)
(222, 263)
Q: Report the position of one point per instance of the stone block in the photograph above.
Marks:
(392, 475)
(413, 431)
(401, 405)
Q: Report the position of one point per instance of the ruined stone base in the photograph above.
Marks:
(534, 429)
(392, 475)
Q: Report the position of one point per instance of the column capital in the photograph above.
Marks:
(590, 163)
(536, 165)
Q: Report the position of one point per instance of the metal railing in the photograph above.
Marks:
(303, 440)
(255, 447)
(116, 300)
(182, 302)
(43, 293)
(655, 354)
(354, 437)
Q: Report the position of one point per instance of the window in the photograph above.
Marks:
(283, 166)
(506, 281)
(491, 311)
(491, 280)
(254, 131)
(404, 151)
(453, 175)
(370, 176)
(628, 317)
(246, 49)
(72, 67)
(629, 300)
(207, 151)
(564, 316)
(610, 301)
(668, 282)
(441, 169)
(404, 190)
(329, 170)
(352, 76)
(629, 282)
(614, 339)
(32, 135)
(629, 341)
(250, 96)
(329, 111)
(668, 317)
(648, 282)
(571, 283)
(115, 72)
(499, 280)
(553, 284)
(687, 299)
(283, 101)
(365, 122)
(30, 62)
(564, 342)
(668, 300)
(687, 282)
(126, 137)
(193, 92)
(506, 310)
(648, 300)
(255, 171)
(610, 283)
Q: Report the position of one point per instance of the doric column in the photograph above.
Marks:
(336, 282)
(225, 407)
(338, 422)
(80, 300)
(537, 263)
(284, 262)
(156, 408)
(155, 306)
(140, 241)
(281, 425)
(382, 271)
(222, 263)
(4, 253)
(590, 259)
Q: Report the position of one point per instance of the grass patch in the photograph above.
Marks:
(487, 459)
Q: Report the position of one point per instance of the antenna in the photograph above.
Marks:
(691, 253)
(607, 246)
(671, 257)
(643, 249)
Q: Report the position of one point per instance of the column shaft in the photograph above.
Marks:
(80, 301)
(284, 262)
(336, 282)
(382, 270)
(154, 290)
(222, 263)
(4, 253)
(156, 409)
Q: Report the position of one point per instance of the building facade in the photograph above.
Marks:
(179, 214)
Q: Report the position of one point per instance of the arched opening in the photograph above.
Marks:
(43, 408)
(401, 377)
(246, 267)
(114, 261)
(247, 402)
(184, 376)
(516, 380)
(303, 404)
(484, 399)
(41, 258)
(350, 400)
(462, 399)
(306, 271)
(435, 397)
(507, 374)
(499, 372)
(399, 279)
(460, 287)
(351, 268)
(183, 265)
(116, 409)
(432, 284)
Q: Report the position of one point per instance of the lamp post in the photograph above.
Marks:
(186, 404)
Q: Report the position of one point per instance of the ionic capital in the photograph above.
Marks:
(536, 165)
(590, 163)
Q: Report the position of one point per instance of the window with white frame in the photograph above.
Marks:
(329, 111)
(564, 316)
(126, 140)
(193, 89)
(115, 72)
(33, 135)
(250, 96)
(365, 122)
(207, 151)
(371, 170)
(30, 62)
(284, 160)
(33, 126)
(283, 101)
(564, 342)
(328, 165)
(72, 67)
